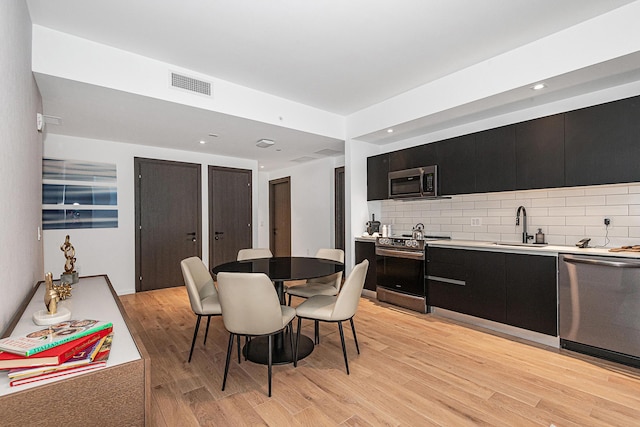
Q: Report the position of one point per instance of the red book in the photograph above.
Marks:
(56, 374)
(53, 356)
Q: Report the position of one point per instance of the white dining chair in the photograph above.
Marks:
(336, 309)
(202, 294)
(250, 307)
(253, 253)
(327, 285)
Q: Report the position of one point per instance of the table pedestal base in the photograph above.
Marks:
(257, 350)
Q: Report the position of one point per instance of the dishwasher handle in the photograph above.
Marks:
(592, 261)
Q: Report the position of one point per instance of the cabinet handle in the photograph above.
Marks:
(445, 280)
(618, 264)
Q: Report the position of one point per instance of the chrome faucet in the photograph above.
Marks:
(525, 236)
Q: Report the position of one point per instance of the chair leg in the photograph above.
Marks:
(289, 300)
(290, 326)
(317, 332)
(195, 335)
(270, 360)
(344, 348)
(226, 366)
(353, 329)
(238, 337)
(206, 333)
(295, 357)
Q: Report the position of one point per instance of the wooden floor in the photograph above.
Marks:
(414, 369)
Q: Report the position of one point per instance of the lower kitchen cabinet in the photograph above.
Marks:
(532, 292)
(514, 289)
(367, 250)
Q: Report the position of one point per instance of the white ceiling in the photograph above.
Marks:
(336, 55)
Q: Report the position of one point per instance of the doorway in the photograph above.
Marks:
(230, 225)
(280, 216)
(168, 220)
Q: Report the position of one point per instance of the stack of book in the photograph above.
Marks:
(63, 349)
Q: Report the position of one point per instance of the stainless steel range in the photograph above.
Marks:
(400, 268)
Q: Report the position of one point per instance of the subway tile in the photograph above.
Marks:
(612, 232)
(566, 230)
(623, 199)
(608, 210)
(474, 229)
(475, 212)
(551, 220)
(488, 237)
(487, 204)
(452, 213)
(503, 229)
(567, 211)
(532, 194)
(549, 202)
(586, 201)
(452, 228)
(501, 212)
(474, 197)
(537, 212)
(501, 196)
(606, 189)
(462, 236)
(634, 189)
(628, 221)
(584, 220)
(634, 232)
(462, 205)
(441, 220)
(514, 204)
(634, 209)
(566, 192)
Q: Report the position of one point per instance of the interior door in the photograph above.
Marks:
(168, 220)
(280, 216)
(339, 215)
(230, 226)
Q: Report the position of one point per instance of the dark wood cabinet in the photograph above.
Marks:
(514, 289)
(540, 153)
(532, 292)
(367, 250)
(456, 165)
(602, 143)
(496, 159)
(447, 279)
(378, 177)
(414, 157)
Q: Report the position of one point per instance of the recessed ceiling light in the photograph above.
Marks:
(261, 166)
(389, 130)
(539, 86)
(203, 142)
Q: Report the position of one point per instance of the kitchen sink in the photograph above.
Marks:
(532, 245)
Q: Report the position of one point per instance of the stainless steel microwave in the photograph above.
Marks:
(416, 182)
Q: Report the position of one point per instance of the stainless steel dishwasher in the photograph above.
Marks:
(599, 306)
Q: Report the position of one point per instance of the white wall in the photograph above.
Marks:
(312, 205)
(111, 251)
(20, 162)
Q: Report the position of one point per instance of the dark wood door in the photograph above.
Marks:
(168, 220)
(280, 216)
(230, 225)
(367, 250)
(339, 201)
(413, 157)
(540, 153)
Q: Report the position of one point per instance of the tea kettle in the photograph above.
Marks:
(417, 233)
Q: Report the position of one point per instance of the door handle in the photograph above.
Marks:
(218, 232)
(191, 234)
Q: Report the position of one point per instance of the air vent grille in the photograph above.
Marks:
(189, 83)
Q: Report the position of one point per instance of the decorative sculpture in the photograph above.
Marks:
(69, 275)
(51, 297)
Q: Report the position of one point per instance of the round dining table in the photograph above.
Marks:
(280, 270)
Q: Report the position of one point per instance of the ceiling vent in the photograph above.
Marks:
(264, 143)
(189, 83)
(329, 152)
(303, 159)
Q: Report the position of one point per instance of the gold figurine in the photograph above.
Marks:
(51, 296)
(63, 289)
(69, 254)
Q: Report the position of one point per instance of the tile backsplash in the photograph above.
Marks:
(565, 215)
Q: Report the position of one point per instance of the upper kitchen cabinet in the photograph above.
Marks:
(496, 159)
(602, 143)
(456, 165)
(378, 177)
(414, 157)
(540, 153)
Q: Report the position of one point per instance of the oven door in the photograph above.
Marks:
(401, 271)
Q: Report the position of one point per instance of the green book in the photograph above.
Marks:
(51, 336)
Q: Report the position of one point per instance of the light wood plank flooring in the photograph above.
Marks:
(413, 370)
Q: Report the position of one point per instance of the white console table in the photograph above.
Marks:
(117, 394)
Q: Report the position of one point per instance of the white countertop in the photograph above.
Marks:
(532, 249)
